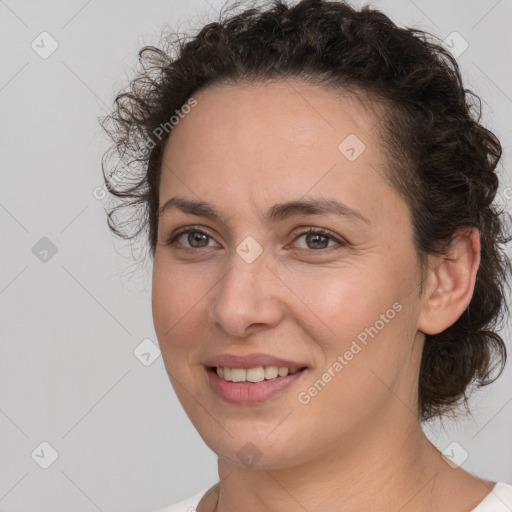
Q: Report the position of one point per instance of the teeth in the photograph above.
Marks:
(255, 374)
(238, 374)
(258, 374)
(271, 372)
(283, 372)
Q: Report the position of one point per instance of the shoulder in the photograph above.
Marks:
(498, 500)
(187, 505)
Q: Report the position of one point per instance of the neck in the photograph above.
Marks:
(385, 469)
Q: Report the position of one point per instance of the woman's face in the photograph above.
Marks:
(343, 302)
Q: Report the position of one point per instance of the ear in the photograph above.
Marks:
(450, 282)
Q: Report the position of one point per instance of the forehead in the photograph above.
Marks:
(282, 137)
(289, 111)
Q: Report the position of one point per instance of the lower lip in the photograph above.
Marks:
(248, 392)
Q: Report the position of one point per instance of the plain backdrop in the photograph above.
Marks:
(83, 390)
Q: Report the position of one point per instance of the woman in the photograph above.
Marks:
(327, 263)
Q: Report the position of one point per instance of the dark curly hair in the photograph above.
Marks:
(440, 158)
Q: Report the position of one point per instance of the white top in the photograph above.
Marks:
(498, 500)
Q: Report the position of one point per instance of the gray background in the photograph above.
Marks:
(69, 325)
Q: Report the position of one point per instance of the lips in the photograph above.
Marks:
(248, 393)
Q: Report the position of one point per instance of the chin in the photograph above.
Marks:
(254, 451)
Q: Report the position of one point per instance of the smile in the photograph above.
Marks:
(245, 386)
(257, 374)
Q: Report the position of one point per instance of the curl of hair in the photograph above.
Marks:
(440, 158)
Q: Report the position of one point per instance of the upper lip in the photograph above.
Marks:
(251, 361)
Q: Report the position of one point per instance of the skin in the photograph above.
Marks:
(358, 442)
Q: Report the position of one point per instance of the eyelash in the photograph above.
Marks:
(172, 240)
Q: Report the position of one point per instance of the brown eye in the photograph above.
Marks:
(195, 239)
(318, 239)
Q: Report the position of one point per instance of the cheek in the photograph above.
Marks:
(346, 303)
(176, 298)
(366, 321)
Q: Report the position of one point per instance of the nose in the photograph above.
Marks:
(246, 298)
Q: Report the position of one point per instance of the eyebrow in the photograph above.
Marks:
(276, 213)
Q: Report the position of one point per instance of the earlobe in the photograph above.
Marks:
(450, 283)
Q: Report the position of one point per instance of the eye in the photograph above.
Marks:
(197, 238)
(319, 239)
